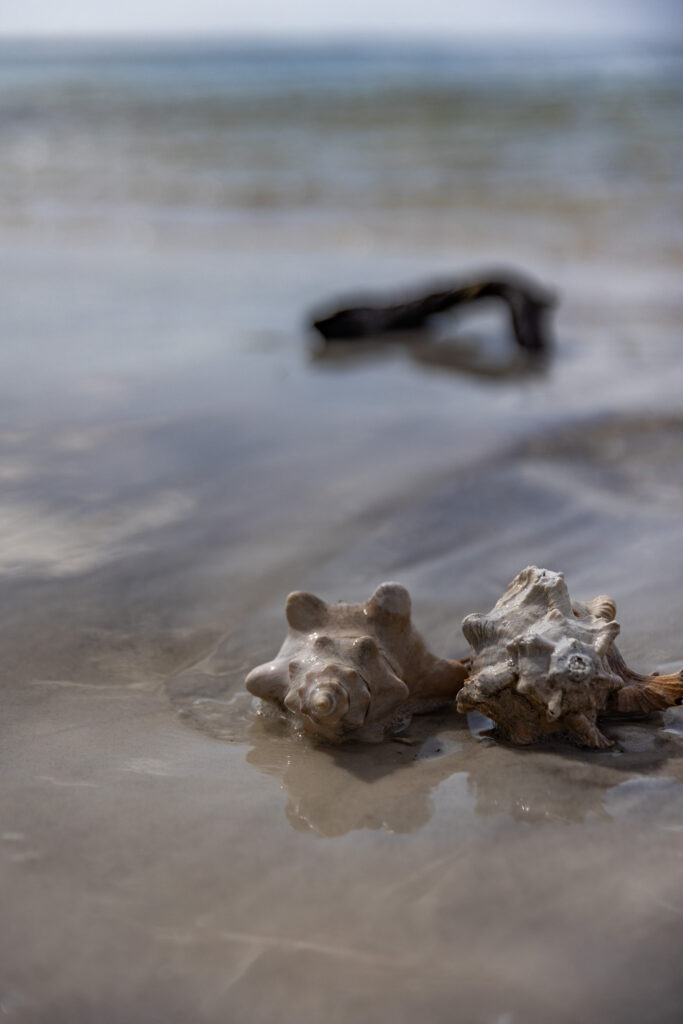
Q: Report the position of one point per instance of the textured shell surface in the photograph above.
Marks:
(543, 664)
(354, 671)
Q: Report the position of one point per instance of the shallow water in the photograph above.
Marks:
(175, 458)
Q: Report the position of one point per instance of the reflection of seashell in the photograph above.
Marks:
(355, 670)
(542, 664)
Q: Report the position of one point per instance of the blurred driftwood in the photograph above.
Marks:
(527, 303)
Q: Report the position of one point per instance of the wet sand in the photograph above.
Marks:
(170, 471)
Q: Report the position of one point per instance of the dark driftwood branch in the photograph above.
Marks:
(527, 303)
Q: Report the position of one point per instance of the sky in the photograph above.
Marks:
(525, 18)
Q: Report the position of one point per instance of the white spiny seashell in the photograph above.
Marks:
(542, 664)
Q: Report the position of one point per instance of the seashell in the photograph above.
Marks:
(355, 671)
(542, 664)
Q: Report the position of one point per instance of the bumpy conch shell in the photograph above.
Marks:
(355, 671)
(543, 664)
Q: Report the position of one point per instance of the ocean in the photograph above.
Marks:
(580, 145)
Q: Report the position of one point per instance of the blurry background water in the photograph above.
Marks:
(577, 146)
(174, 460)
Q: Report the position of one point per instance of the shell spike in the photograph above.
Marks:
(602, 607)
(305, 612)
(366, 650)
(479, 630)
(269, 681)
(390, 599)
(554, 709)
(586, 733)
(606, 635)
